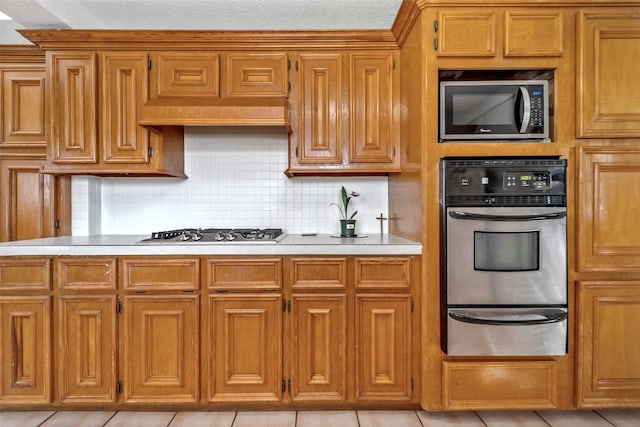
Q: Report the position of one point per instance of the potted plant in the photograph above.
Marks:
(347, 223)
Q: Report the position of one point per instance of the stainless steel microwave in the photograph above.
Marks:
(513, 110)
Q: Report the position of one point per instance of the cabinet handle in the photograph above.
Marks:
(435, 26)
(435, 44)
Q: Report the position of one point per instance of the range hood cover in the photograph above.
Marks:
(227, 111)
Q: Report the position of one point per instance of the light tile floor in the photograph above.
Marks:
(599, 418)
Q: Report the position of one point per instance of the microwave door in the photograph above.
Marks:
(523, 109)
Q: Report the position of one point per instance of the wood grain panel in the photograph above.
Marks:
(383, 345)
(25, 273)
(87, 349)
(608, 200)
(25, 359)
(257, 74)
(608, 347)
(161, 351)
(318, 273)
(244, 273)
(320, 105)
(372, 121)
(74, 133)
(608, 96)
(533, 33)
(90, 273)
(319, 337)
(383, 272)
(498, 385)
(25, 121)
(470, 32)
(245, 348)
(190, 74)
(141, 274)
(124, 91)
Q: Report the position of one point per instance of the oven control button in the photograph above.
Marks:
(485, 180)
(465, 181)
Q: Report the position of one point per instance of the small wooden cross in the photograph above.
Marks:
(381, 218)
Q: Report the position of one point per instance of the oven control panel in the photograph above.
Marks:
(524, 180)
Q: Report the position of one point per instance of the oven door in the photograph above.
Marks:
(498, 256)
(527, 331)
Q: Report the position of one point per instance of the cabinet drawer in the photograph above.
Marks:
(25, 273)
(319, 273)
(189, 74)
(499, 385)
(161, 274)
(256, 74)
(93, 273)
(383, 272)
(247, 273)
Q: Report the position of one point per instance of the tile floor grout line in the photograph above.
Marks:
(419, 420)
(480, 418)
(172, 418)
(235, 416)
(604, 418)
(48, 418)
(358, 418)
(110, 418)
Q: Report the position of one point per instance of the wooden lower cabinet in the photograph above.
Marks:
(86, 336)
(244, 348)
(608, 346)
(383, 347)
(319, 347)
(161, 349)
(25, 359)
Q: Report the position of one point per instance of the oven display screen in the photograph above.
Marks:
(531, 180)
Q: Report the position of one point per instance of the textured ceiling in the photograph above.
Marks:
(197, 15)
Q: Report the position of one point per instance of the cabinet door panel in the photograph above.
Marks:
(177, 74)
(373, 125)
(25, 273)
(608, 345)
(318, 369)
(23, 108)
(533, 33)
(257, 74)
(468, 33)
(87, 349)
(383, 343)
(320, 103)
(608, 94)
(74, 131)
(124, 91)
(27, 205)
(161, 348)
(25, 359)
(244, 348)
(608, 204)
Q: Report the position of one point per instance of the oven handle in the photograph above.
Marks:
(549, 317)
(484, 217)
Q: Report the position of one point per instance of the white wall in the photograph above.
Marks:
(235, 180)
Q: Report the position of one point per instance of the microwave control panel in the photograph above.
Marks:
(524, 180)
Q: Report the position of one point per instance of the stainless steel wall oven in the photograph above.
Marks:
(505, 256)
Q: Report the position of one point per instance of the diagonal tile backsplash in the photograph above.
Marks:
(235, 180)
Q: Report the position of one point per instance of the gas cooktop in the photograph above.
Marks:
(217, 235)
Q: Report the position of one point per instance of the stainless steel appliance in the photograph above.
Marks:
(497, 109)
(505, 256)
(217, 235)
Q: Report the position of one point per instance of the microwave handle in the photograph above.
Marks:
(524, 99)
(483, 217)
(547, 317)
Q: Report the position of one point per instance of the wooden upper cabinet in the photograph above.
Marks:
(320, 103)
(608, 93)
(73, 103)
(25, 359)
(257, 74)
(24, 111)
(29, 200)
(124, 88)
(533, 33)
(607, 211)
(374, 99)
(470, 32)
(185, 74)
(608, 348)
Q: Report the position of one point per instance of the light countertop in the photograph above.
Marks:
(292, 244)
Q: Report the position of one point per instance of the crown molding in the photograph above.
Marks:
(21, 53)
